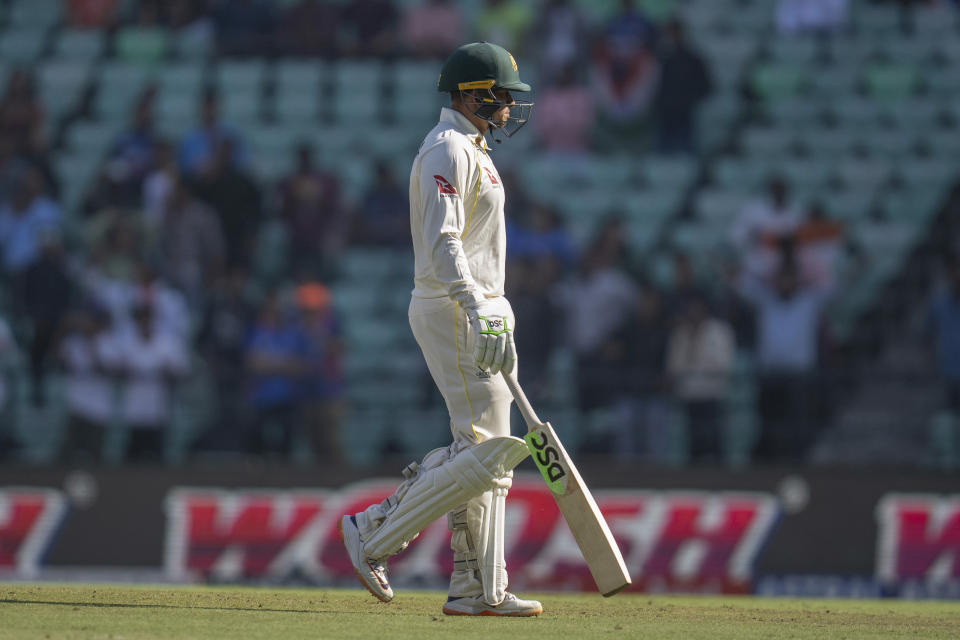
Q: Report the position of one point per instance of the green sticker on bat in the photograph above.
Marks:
(547, 459)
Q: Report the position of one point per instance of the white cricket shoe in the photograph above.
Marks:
(512, 606)
(372, 573)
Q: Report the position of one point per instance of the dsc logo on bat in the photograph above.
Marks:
(548, 459)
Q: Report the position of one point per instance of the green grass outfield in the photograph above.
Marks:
(47, 611)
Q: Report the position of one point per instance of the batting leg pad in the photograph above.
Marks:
(477, 540)
(444, 480)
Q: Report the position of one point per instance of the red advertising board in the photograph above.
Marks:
(918, 538)
(29, 520)
(671, 540)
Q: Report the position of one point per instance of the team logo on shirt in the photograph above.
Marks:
(445, 188)
(493, 178)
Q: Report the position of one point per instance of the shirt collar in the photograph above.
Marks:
(464, 126)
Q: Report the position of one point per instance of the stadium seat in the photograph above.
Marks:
(856, 113)
(892, 142)
(240, 107)
(877, 22)
(651, 206)
(244, 77)
(716, 207)
(297, 107)
(270, 167)
(949, 50)
(770, 143)
(659, 10)
(848, 205)
(79, 44)
(943, 83)
(943, 144)
(793, 50)
(740, 173)
(917, 115)
(777, 81)
(276, 139)
(807, 175)
(356, 75)
(913, 205)
(120, 84)
(831, 143)
(891, 81)
(698, 240)
(142, 45)
(93, 138)
(915, 51)
(578, 204)
(418, 110)
(299, 74)
(642, 236)
(334, 143)
(796, 112)
(675, 173)
(610, 171)
(177, 106)
(727, 55)
(863, 175)
(833, 82)
(932, 175)
(35, 14)
(180, 77)
(22, 46)
(76, 171)
(387, 142)
(850, 50)
(934, 24)
(189, 45)
(413, 77)
(61, 84)
(357, 104)
(368, 265)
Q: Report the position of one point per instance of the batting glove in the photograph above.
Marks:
(493, 349)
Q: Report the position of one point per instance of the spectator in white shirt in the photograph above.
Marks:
(120, 296)
(699, 360)
(88, 355)
(761, 227)
(150, 362)
(788, 322)
(600, 300)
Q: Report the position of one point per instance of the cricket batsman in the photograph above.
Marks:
(464, 326)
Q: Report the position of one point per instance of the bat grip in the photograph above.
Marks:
(526, 410)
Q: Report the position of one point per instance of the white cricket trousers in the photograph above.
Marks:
(479, 403)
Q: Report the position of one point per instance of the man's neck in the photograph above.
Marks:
(481, 125)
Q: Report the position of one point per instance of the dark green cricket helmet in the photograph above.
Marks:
(480, 65)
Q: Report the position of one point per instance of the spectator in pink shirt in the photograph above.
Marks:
(565, 114)
(433, 28)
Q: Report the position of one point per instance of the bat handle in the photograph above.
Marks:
(526, 410)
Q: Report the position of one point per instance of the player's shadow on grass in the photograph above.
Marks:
(126, 605)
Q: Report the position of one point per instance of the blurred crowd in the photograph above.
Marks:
(171, 261)
(642, 347)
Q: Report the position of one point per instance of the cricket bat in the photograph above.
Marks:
(573, 499)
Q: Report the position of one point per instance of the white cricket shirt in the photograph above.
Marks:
(456, 215)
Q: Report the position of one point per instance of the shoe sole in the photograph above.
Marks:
(355, 572)
(518, 614)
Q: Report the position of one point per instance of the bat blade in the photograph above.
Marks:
(579, 509)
